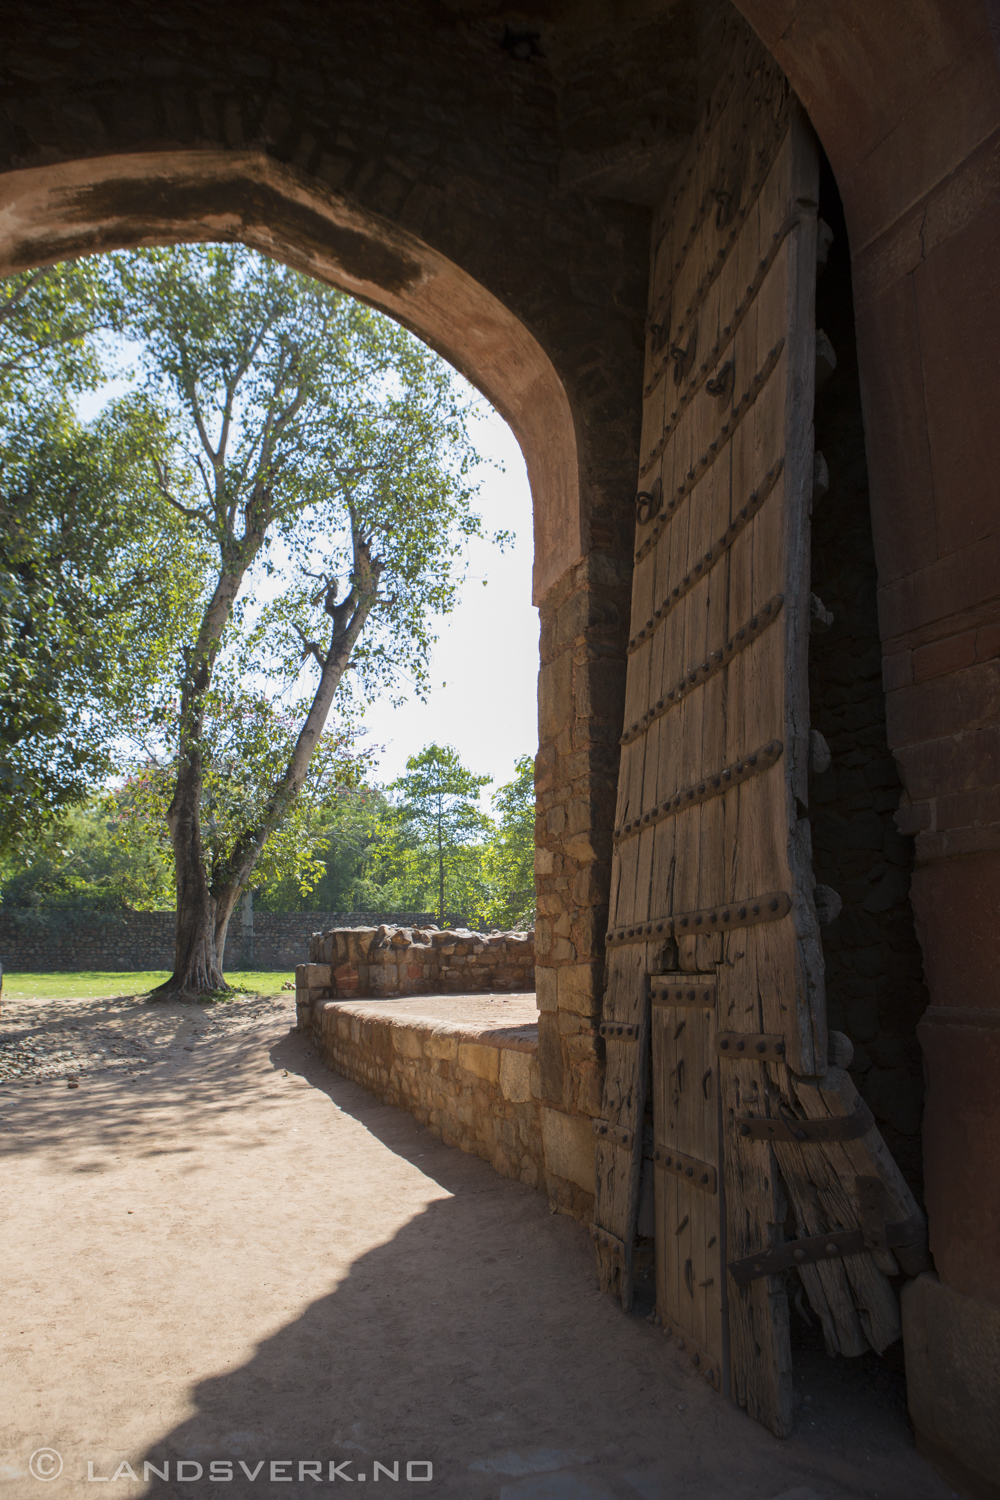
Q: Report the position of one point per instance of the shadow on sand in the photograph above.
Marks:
(474, 1340)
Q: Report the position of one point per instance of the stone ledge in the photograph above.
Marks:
(475, 1085)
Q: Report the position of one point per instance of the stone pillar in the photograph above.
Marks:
(929, 329)
(581, 696)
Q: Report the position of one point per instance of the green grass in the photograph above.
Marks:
(89, 986)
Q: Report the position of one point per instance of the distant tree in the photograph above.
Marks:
(344, 830)
(508, 861)
(114, 851)
(76, 862)
(433, 838)
(321, 452)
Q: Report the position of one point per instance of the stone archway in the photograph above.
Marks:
(109, 203)
(524, 152)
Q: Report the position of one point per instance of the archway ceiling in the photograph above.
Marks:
(510, 157)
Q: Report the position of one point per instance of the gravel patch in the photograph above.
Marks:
(51, 1040)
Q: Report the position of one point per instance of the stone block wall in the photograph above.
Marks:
(138, 941)
(351, 962)
(101, 942)
(484, 1091)
(479, 1090)
(280, 938)
(581, 700)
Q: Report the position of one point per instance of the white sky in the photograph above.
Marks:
(484, 668)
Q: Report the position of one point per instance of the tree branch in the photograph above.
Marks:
(192, 514)
(234, 873)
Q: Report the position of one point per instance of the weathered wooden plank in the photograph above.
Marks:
(619, 1169)
(853, 1299)
(760, 1351)
(689, 1243)
(733, 151)
(751, 911)
(716, 549)
(756, 968)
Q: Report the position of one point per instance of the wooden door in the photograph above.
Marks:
(713, 947)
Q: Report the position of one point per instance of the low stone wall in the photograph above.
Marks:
(350, 962)
(48, 942)
(475, 1087)
(104, 942)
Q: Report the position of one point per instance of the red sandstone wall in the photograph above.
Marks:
(384, 961)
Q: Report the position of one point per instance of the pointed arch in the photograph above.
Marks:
(88, 207)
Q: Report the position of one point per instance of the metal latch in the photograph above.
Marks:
(607, 1240)
(619, 1031)
(680, 989)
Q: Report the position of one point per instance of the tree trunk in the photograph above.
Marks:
(231, 879)
(197, 961)
(440, 837)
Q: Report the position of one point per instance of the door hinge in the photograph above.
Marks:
(874, 1234)
(620, 1134)
(808, 1132)
(797, 1253)
(700, 1174)
(740, 1046)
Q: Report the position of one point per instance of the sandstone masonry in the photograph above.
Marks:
(350, 962)
(476, 1088)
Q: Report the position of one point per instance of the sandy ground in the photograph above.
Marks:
(227, 1254)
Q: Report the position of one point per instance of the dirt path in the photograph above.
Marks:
(228, 1254)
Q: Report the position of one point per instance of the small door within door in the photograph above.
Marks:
(690, 1280)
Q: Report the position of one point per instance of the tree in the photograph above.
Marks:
(48, 322)
(438, 819)
(77, 862)
(306, 440)
(345, 831)
(246, 742)
(87, 620)
(509, 857)
(113, 853)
